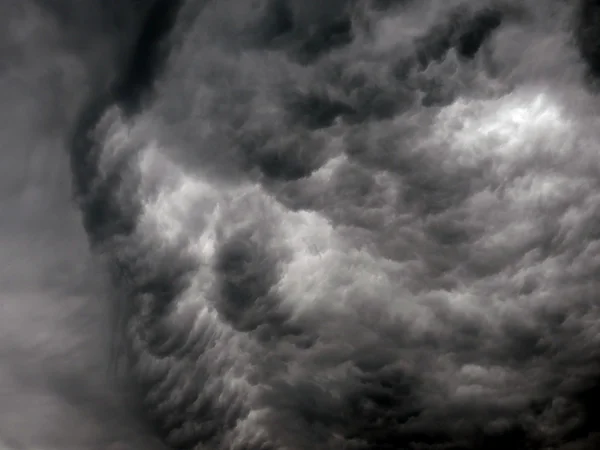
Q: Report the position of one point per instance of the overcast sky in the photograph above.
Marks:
(290, 225)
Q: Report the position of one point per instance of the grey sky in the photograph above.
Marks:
(369, 225)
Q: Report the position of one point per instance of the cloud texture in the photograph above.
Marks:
(341, 225)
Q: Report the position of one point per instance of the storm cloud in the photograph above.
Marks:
(282, 224)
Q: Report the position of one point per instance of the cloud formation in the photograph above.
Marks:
(365, 225)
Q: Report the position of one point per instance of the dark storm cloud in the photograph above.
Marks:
(363, 225)
(308, 141)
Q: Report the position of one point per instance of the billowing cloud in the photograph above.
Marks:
(359, 225)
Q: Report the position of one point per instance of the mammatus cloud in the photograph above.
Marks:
(365, 225)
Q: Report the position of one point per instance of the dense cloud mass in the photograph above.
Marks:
(298, 224)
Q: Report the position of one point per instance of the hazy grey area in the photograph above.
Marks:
(289, 225)
(55, 392)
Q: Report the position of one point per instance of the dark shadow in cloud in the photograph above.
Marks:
(316, 111)
(370, 413)
(171, 419)
(280, 29)
(589, 399)
(326, 38)
(464, 31)
(103, 213)
(245, 299)
(281, 159)
(514, 437)
(587, 34)
(380, 407)
(148, 56)
(382, 5)
(361, 101)
(278, 21)
(246, 274)
(474, 35)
